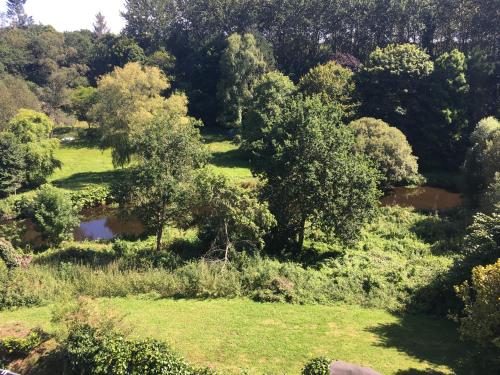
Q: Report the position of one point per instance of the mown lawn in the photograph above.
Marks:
(280, 338)
(84, 165)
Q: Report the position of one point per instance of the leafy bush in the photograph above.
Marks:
(18, 347)
(53, 212)
(317, 366)
(8, 254)
(91, 196)
(481, 320)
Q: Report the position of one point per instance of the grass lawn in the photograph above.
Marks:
(280, 338)
(84, 165)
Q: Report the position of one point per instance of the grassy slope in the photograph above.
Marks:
(280, 338)
(84, 165)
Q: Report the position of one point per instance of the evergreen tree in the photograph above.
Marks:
(17, 15)
(100, 26)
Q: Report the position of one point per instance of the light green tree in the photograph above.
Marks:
(388, 148)
(242, 63)
(126, 100)
(334, 83)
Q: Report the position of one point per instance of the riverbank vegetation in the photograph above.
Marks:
(255, 159)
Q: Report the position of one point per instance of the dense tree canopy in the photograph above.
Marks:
(14, 95)
(312, 176)
(127, 99)
(388, 148)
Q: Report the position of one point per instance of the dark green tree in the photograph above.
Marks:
(12, 164)
(313, 179)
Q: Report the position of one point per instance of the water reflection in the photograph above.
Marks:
(106, 224)
(423, 198)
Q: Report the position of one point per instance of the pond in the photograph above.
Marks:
(423, 198)
(103, 223)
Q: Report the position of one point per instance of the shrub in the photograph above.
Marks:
(317, 366)
(8, 254)
(91, 196)
(483, 158)
(18, 347)
(388, 148)
(481, 320)
(54, 214)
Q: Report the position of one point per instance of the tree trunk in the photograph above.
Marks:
(300, 243)
(159, 236)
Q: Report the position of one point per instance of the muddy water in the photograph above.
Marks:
(423, 198)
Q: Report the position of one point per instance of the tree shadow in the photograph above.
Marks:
(230, 159)
(76, 255)
(78, 181)
(433, 340)
(414, 371)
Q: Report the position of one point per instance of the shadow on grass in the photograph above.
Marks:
(80, 180)
(230, 159)
(436, 341)
(87, 256)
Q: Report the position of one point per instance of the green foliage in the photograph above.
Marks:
(31, 126)
(334, 83)
(388, 148)
(8, 254)
(168, 151)
(15, 94)
(54, 213)
(19, 347)
(92, 196)
(481, 297)
(483, 158)
(12, 164)
(270, 94)
(242, 63)
(305, 156)
(81, 101)
(126, 100)
(317, 366)
(230, 218)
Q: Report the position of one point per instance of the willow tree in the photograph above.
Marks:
(126, 100)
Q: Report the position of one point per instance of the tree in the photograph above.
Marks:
(483, 159)
(242, 63)
(81, 101)
(445, 130)
(168, 150)
(388, 148)
(17, 15)
(33, 130)
(14, 95)
(230, 218)
(392, 84)
(126, 99)
(100, 26)
(271, 93)
(12, 164)
(53, 212)
(333, 83)
(481, 320)
(312, 176)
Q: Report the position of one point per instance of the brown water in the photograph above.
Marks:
(423, 198)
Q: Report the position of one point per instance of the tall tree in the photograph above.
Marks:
(17, 15)
(242, 64)
(168, 151)
(12, 164)
(312, 176)
(100, 25)
(126, 100)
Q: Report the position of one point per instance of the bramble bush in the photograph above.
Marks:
(317, 366)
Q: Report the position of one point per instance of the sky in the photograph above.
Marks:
(68, 15)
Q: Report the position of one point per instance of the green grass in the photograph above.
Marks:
(280, 338)
(84, 165)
